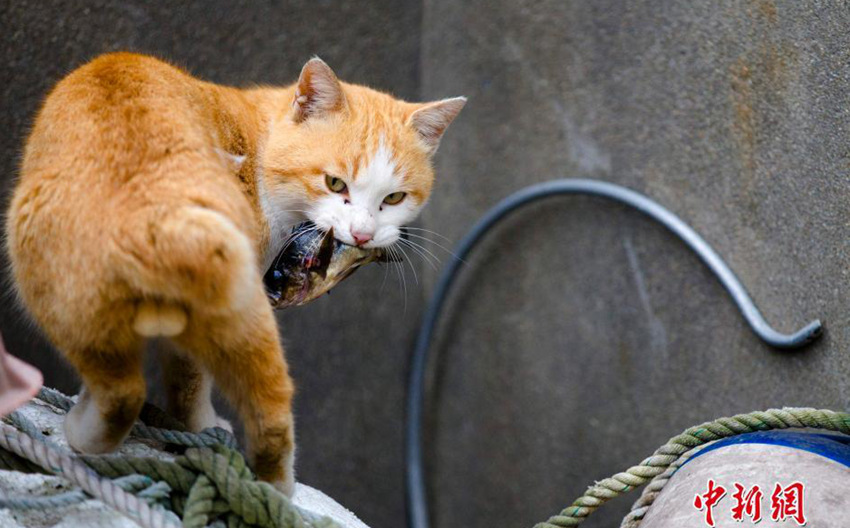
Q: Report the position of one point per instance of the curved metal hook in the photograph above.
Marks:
(416, 497)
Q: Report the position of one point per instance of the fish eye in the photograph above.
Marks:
(395, 198)
(335, 184)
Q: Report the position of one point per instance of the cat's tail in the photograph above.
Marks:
(191, 258)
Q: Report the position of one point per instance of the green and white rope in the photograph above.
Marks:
(651, 491)
(209, 485)
(139, 485)
(667, 456)
(62, 463)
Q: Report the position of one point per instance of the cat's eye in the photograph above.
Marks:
(395, 198)
(335, 184)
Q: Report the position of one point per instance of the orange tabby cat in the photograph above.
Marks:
(150, 203)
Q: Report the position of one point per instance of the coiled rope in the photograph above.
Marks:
(659, 467)
(208, 485)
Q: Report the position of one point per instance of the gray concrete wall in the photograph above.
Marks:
(582, 335)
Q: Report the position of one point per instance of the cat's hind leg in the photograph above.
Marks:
(188, 389)
(113, 395)
(242, 351)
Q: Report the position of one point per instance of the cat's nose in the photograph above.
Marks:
(361, 238)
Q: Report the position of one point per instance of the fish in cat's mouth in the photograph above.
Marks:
(311, 263)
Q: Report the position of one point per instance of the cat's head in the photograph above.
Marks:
(352, 158)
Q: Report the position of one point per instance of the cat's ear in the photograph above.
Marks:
(318, 91)
(431, 120)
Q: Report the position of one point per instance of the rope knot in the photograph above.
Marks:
(210, 484)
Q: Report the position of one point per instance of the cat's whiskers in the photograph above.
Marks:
(400, 273)
(300, 233)
(292, 238)
(429, 231)
(444, 248)
(419, 252)
(420, 247)
(411, 243)
(316, 243)
(386, 274)
(409, 263)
